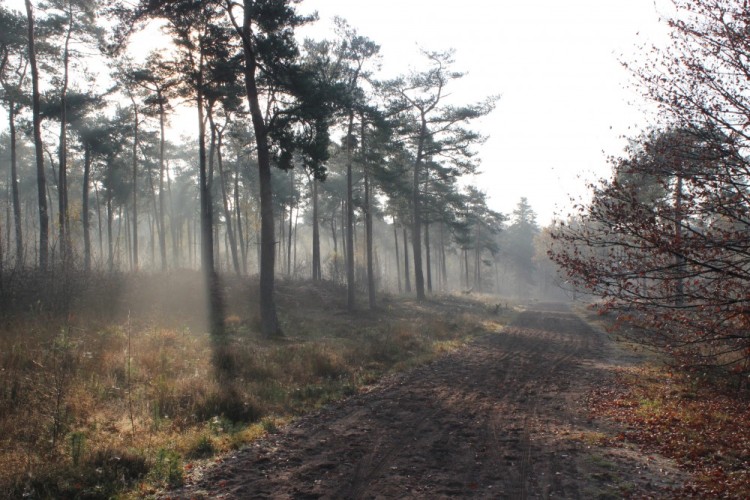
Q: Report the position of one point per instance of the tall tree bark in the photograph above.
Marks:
(134, 167)
(368, 222)
(335, 248)
(213, 290)
(368, 232)
(189, 225)
(153, 234)
(478, 260)
(343, 233)
(128, 245)
(281, 235)
(110, 241)
(316, 271)
(443, 264)
(62, 183)
(416, 235)
(466, 268)
(398, 261)
(17, 222)
(41, 181)
(153, 222)
(225, 204)
(296, 225)
(268, 318)
(176, 229)
(85, 208)
(162, 195)
(407, 274)
(350, 297)
(238, 214)
(289, 232)
(99, 220)
(209, 109)
(428, 261)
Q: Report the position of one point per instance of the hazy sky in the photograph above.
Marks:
(564, 99)
(564, 103)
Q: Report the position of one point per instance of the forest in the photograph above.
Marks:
(204, 241)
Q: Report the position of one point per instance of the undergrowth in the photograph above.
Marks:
(117, 394)
(698, 417)
(705, 430)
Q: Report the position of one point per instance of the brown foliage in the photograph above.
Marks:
(706, 431)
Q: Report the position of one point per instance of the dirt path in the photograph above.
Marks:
(502, 418)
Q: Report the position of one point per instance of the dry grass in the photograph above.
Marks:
(114, 391)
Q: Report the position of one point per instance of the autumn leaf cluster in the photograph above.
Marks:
(705, 431)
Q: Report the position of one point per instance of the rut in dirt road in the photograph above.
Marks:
(501, 418)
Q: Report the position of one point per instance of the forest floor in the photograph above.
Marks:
(506, 416)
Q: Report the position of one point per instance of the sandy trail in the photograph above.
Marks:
(501, 418)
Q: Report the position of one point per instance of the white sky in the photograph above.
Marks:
(565, 103)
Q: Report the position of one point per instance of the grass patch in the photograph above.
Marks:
(118, 393)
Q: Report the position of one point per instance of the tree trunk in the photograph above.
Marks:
(398, 261)
(289, 232)
(296, 223)
(99, 220)
(316, 271)
(428, 262)
(128, 246)
(350, 297)
(135, 184)
(227, 212)
(213, 291)
(466, 268)
(62, 183)
(209, 184)
(190, 242)
(368, 221)
(41, 182)
(153, 232)
(368, 232)
(85, 208)
(478, 261)
(110, 241)
(268, 319)
(17, 222)
(153, 220)
(407, 275)
(344, 253)
(160, 216)
(335, 248)
(281, 236)
(443, 265)
(238, 215)
(416, 232)
(175, 228)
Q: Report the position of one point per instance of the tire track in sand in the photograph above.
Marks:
(496, 419)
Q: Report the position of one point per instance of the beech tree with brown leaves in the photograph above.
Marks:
(665, 244)
(667, 239)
